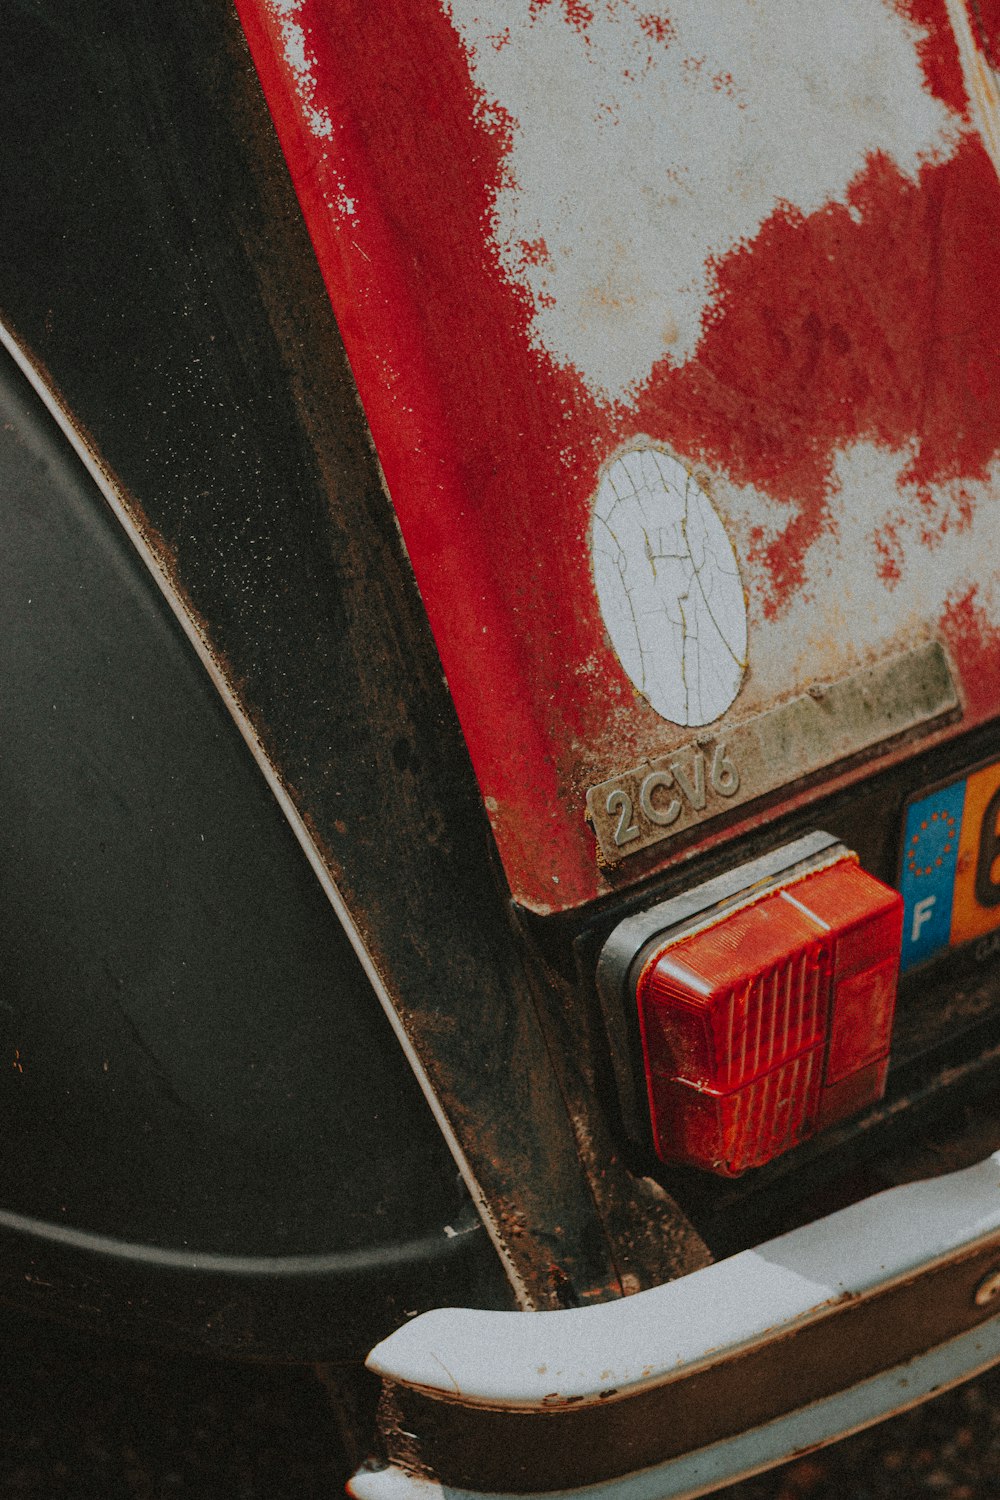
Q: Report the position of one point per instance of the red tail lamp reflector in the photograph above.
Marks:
(767, 1021)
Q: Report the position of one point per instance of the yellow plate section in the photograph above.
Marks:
(976, 903)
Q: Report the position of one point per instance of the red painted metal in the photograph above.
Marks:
(987, 16)
(872, 321)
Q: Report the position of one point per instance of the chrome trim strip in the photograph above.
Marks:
(106, 484)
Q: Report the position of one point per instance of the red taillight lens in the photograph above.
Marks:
(771, 1022)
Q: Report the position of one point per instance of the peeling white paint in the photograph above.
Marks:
(649, 141)
(891, 558)
(669, 587)
(301, 64)
(941, 542)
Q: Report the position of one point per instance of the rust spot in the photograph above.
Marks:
(658, 28)
(534, 252)
(890, 555)
(577, 13)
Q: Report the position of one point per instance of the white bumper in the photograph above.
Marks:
(694, 1384)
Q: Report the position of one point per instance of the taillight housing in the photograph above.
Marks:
(765, 1015)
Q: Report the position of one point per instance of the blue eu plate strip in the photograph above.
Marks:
(930, 858)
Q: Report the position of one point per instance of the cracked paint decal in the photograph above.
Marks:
(669, 587)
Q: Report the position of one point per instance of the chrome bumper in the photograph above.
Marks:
(697, 1383)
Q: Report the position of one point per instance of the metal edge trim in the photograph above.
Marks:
(425, 1250)
(108, 489)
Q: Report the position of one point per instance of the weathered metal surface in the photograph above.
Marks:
(499, 1403)
(975, 38)
(985, 15)
(165, 288)
(676, 329)
(748, 1453)
(831, 722)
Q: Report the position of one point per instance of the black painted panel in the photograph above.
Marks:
(192, 1057)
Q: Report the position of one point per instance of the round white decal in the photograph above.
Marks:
(669, 587)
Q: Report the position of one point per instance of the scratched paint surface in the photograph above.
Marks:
(557, 231)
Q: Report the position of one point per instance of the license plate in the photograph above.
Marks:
(950, 867)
